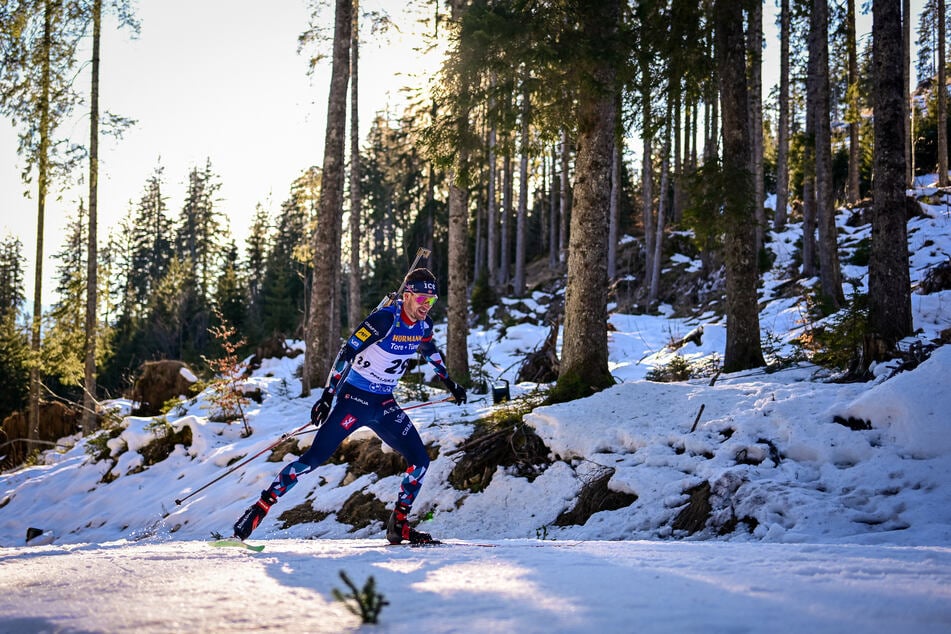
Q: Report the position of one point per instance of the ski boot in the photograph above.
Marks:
(398, 529)
(253, 516)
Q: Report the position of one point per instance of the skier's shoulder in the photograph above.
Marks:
(375, 327)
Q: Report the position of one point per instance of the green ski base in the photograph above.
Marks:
(235, 543)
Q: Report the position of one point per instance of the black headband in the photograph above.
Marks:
(426, 287)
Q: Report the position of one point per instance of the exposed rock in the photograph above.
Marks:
(693, 517)
(518, 447)
(937, 279)
(56, 421)
(158, 383)
(595, 496)
(274, 348)
(362, 509)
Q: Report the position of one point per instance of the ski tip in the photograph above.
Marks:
(235, 543)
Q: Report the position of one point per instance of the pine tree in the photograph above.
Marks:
(64, 341)
(150, 253)
(230, 304)
(11, 274)
(889, 286)
(926, 44)
(14, 343)
(830, 277)
(286, 271)
(323, 321)
(38, 43)
(201, 230)
(14, 364)
(254, 268)
(742, 314)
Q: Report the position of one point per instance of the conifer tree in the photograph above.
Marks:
(38, 43)
(889, 286)
(14, 343)
(254, 268)
(230, 301)
(743, 348)
(11, 274)
(64, 341)
(201, 230)
(151, 237)
(323, 322)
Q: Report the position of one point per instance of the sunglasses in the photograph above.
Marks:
(429, 300)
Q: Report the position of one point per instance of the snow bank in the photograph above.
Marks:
(913, 408)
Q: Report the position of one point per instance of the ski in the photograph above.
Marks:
(436, 542)
(234, 543)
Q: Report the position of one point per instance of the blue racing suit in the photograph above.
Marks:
(365, 372)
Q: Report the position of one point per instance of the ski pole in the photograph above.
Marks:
(426, 404)
(245, 461)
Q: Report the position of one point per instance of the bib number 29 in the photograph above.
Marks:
(397, 366)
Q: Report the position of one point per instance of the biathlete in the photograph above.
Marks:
(360, 394)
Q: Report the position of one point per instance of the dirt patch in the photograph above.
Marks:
(303, 513)
(274, 348)
(164, 444)
(595, 496)
(362, 509)
(288, 446)
(542, 365)
(517, 447)
(56, 421)
(366, 455)
(693, 517)
(158, 383)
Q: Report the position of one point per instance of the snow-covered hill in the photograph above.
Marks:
(757, 456)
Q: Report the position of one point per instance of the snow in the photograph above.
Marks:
(813, 527)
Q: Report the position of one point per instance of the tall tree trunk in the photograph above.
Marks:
(90, 418)
(782, 142)
(564, 198)
(505, 253)
(942, 99)
(42, 185)
(906, 87)
(518, 280)
(584, 363)
(457, 351)
(663, 202)
(543, 204)
(830, 276)
(755, 44)
(677, 168)
(853, 117)
(743, 349)
(647, 180)
(889, 285)
(554, 222)
(492, 214)
(457, 330)
(809, 220)
(615, 210)
(323, 339)
(810, 186)
(355, 310)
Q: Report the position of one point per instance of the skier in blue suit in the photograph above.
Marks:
(360, 393)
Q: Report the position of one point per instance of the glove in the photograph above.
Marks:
(321, 409)
(458, 392)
